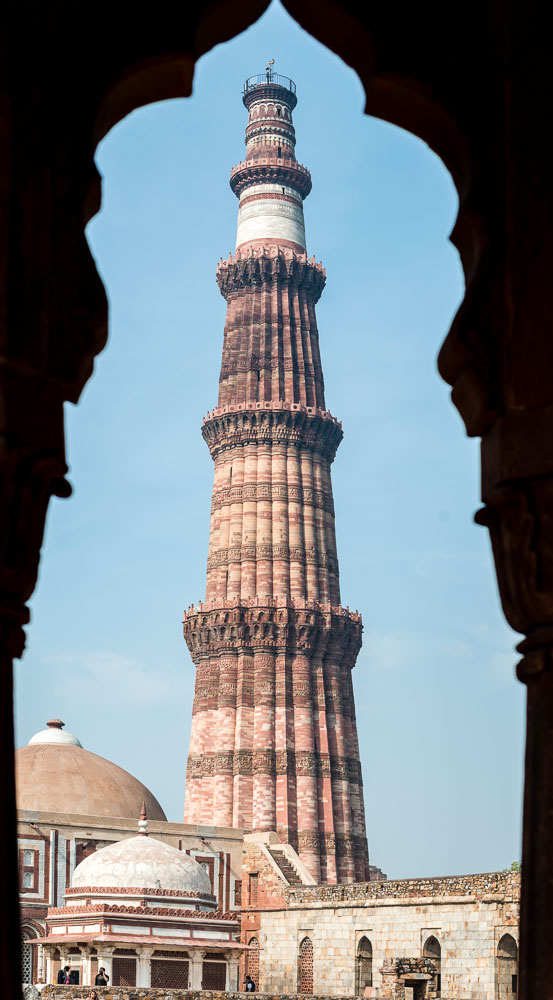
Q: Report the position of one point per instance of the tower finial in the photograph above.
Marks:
(143, 821)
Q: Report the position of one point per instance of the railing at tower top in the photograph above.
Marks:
(269, 78)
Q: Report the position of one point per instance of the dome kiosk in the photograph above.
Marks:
(145, 912)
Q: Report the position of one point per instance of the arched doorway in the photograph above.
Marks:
(305, 966)
(364, 966)
(507, 968)
(433, 950)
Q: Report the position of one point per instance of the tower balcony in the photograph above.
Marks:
(280, 170)
(268, 79)
(271, 86)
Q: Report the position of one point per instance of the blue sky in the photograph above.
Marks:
(440, 714)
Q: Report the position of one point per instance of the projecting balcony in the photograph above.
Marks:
(271, 86)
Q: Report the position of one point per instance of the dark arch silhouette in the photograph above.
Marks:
(477, 91)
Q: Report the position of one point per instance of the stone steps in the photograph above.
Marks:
(286, 866)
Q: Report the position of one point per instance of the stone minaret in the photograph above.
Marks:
(274, 741)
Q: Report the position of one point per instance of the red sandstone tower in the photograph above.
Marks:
(274, 741)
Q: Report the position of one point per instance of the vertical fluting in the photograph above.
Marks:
(250, 506)
(264, 789)
(295, 525)
(264, 522)
(273, 743)
(226, 723)
(306, 778)
(242, 815)
(279, 520)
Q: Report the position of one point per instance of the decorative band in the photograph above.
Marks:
(274, 763)
(267, 491)
(273, 553)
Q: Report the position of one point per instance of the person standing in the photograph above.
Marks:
(250, 985)
(102, 979)
(63, 975)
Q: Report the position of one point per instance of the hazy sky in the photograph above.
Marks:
(440, 715)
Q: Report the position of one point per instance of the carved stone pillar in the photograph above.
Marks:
(232, 972)
(196, 968)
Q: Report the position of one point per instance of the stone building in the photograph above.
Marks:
(274, 740)
(146, 913)
(72, 803)
(452, 937)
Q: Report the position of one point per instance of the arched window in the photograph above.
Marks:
(305, 966)
(364, 970)
(507, 968)
(252, 961)
(433, 950)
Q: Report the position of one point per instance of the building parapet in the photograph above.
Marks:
(232, 605)
(276, 404)
(489, 886)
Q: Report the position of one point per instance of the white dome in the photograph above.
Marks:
(54, 734)
(142, 863)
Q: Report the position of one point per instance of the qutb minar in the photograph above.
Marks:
(274, 742)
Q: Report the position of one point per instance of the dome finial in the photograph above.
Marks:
(143, 821)
(55, 724)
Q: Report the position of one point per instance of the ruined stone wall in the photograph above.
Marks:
(467, 915)
(142, 992)
(507, 883)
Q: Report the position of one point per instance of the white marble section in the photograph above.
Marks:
(290, 192)
(270, 219)
(142, 862)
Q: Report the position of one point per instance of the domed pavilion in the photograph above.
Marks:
(144, 911)
(72, 806)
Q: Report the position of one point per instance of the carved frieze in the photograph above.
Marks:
(306, 763)
(224, 762)
(308, 842)
(263, 761)
(243, 762)
(266, 491)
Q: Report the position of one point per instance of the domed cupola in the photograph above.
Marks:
(145, 868)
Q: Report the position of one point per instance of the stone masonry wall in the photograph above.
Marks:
(138, 993)
(271, 890)
(467, 915)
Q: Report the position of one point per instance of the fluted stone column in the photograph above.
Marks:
(273, 743)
